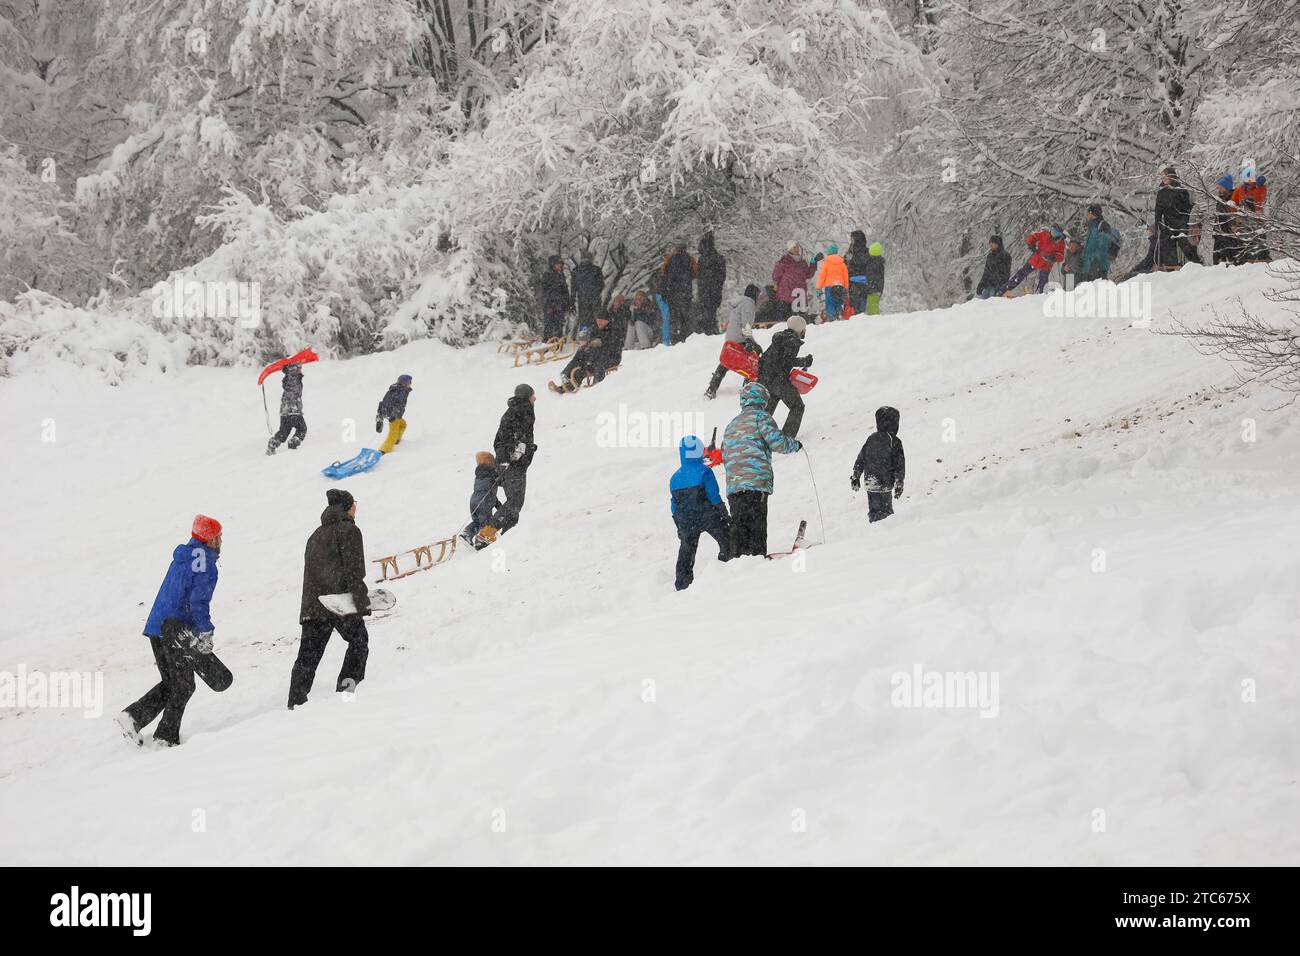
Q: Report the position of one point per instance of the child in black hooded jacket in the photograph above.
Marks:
(882, 461)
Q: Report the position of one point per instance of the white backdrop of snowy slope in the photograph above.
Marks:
(515, 692)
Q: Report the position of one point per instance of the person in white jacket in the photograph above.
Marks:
(740, 328)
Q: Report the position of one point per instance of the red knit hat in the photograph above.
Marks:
(205, 528)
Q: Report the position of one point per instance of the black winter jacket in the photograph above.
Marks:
(712, 276)
(291, 395)
(334, 562)
(393, 404)
(781, 356)
(997, 270)
(555, 292)
(875, 275)
(588, 283)
(881, 459)
(516, 429)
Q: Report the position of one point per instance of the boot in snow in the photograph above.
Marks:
(126, 723)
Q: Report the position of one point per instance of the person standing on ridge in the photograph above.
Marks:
(180, 630)
(747, 446)
(291, 417)
(833, 281)
(677, 276)
(712, 268)
(334, 562)
(790, 276)
(555, 299)
(393, 407)
(997, 270)
(514, 448)
(1173, 215)
(588, 285)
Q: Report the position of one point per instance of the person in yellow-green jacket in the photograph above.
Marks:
(875, 274)
(393, 408)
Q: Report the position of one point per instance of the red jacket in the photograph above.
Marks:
(1046, 250)
(790, 274)
(1257, 192)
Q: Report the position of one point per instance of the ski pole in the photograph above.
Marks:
(816, 497)
(266, 411)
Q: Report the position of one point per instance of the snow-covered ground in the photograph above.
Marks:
(1090, 520)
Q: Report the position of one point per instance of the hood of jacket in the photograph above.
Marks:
(184, 552)
(887, 420)
(690, 450)
(333, 515)
(753, 395)
(997, 241)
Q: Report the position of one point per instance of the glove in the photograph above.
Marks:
(202, 642)
(501, 468)
(532, 449)
(379, 423)
(898, 490)
(798, 445)
(855, 483)
(807, 362)
(520, 448)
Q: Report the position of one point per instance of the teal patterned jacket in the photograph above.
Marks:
(748, 443)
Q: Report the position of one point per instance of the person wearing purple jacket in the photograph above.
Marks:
(790, 275)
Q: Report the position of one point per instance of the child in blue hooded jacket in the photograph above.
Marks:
(697, 508)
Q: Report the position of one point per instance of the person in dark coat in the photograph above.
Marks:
(857, 260)
(393, 408)
(602, 352)
(712, 269)
(555, 299)
(882, 462)
(1227, 243)
(697, 508)
(181, 632)
(774, 368)
(676, 286)
(588, 285)
(334, 562)
(997, 269)
(483, 500)
(514, 447)
(291, 418)
(1173, 215)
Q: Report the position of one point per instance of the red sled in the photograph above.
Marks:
(302, 358)
(802, 380)
(736, 358)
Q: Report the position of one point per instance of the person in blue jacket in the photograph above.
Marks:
(180, 629)
(697, 508)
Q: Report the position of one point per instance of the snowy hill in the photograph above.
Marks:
(1098, 533)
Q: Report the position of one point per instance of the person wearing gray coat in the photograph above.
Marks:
(740, 328)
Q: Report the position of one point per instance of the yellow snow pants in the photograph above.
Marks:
(396, 428)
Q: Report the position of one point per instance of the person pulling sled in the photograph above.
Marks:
(740, 329)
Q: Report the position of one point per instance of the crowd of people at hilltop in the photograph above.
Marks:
(1087, 252)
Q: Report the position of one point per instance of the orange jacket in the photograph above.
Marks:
(1257, 192)
(833, 272)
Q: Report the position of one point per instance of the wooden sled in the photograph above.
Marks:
(577, 380)
(424, 560)
(552, 351)
(515, 346)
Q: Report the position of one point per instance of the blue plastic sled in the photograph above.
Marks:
(364, 461)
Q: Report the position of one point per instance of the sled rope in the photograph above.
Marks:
(816, 497)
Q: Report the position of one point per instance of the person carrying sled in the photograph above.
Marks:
(555, 299)
(601, 353)
(1046, 248)
(180, 633)
(393, 408)
(334, 562)
(747, 446)
(483, 500)
(833, 281)
(291, 418)
(740, 328)
(697, 508)
(884, 465)
(774, 368)
(513, 446)
(997, 269)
